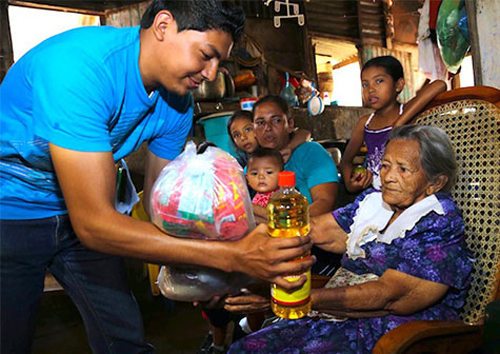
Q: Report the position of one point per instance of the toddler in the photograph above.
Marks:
(262, 173)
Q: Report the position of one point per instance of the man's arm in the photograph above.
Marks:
(154, 165)
(87, 180)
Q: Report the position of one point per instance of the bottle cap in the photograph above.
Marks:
(286, 179)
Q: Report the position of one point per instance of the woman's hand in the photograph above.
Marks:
(255, 300)
(217, 302)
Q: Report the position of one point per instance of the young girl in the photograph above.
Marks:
(262, 173)
(382, 80)
(240, 129)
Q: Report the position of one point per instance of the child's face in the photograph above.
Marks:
(243, 135)
(379, 88)
(262, 174)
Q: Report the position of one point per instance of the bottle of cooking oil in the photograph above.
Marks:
(288, 216)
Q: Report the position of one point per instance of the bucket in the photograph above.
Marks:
(215, 127)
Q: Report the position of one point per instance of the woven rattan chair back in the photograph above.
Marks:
(474, 128)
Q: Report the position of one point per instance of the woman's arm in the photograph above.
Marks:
(324, 198)
(417, 103)
(355, 183)
(299, 137)
(260, 213)
(327, 234)
(393, 293)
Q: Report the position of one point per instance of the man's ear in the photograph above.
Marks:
(400, 84)
(437, 184)
(164, 22)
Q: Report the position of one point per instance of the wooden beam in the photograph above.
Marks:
(64, 8)
(470, 7)
(350, 60)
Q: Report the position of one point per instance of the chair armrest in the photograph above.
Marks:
(319, 281)
(431, 337)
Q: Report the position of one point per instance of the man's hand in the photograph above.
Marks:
(268, 258)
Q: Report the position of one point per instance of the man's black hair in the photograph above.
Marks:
(199, 15)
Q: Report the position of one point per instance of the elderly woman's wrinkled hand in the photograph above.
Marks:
(217, 302)
(255, 300)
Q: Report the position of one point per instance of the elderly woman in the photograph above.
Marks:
(404, 256)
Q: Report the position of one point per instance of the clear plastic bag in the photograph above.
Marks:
(202, 196)
(192, 283)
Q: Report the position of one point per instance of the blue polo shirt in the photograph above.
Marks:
(81, 90)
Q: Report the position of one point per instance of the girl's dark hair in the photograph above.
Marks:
(279, 101)
(391, 65)
(265, 152)
(199, 15)
(237, 115)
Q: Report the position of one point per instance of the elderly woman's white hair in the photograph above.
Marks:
(437, 155)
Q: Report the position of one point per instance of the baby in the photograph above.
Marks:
(262, 173)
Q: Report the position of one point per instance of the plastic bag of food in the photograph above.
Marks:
(452, 40)
(202, 196)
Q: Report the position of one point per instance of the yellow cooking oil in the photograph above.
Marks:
(288, 216)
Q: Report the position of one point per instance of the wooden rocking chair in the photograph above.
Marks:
(471, 118)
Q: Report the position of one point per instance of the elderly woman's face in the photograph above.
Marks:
(403, 179)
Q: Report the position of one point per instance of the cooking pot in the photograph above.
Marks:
(222, 86)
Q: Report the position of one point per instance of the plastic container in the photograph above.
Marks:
(288, 216)
(247, 103)
(215, 127)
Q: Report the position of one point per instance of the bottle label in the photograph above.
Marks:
(296, 298)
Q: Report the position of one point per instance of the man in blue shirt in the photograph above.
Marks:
(70, 109)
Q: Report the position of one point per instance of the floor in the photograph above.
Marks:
(172, 327)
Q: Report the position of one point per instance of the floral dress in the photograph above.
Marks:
(433, 249)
